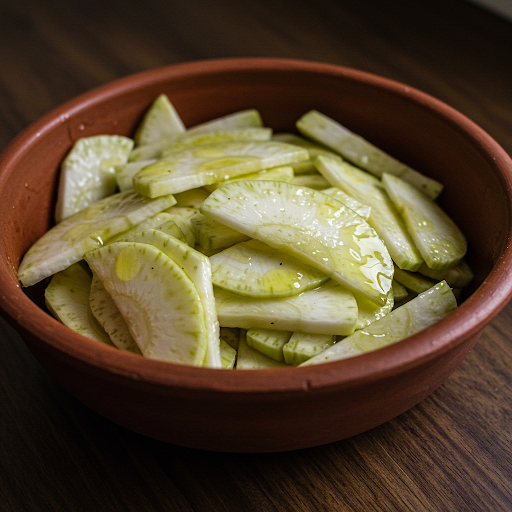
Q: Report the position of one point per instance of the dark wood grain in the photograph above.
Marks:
(452, 452)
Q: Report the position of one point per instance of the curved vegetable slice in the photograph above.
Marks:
(303, 346)
(156, 298)
(67, 298)
(198, 269)
(107, 314)
(254, 269)
(192, 168)
(249, 118)
(68, 241)
(362, 153)
(384, 217)
(437, 237)
(419, 313)
(250, 359)
(269, 342)
(315, 228)
(329, 309)
(88, 172)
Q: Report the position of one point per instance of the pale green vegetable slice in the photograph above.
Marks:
(303, 346)
(227, 355)
(124, 173)
(315, 180)
(157, 299)
(250, 359)
(328, 309)
(88, 172)
(204, 138)
(419, 313)
(212, 235)
(198, 269)
(281, 173)
(172, 228)
(367, 312)
(362, 153)
(192, 168)
(458, 276)
(67, 298)
(254, 269)
(160, 120)
(399, 291)
(437, 237)
(249, 118)
(314, 149)
(384, 217)
(315, 228)
(150, 151)
(68, 241)
(109, 317)
(269, 342)
(413, 280)
(359, 207)
(192, 198)
(151, 223)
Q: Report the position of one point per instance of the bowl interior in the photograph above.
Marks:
(410, 125)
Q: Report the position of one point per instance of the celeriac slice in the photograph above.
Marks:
(198, 269)
(359, 207)
(314, 180)
(109, 317)
(204, 138)
(315, 228)
(328, 309)
(413, 281)
(124, 173)
(367, 312)
(68, 241)
(160, 120)
(419, 313)
(458, 276)
(88, 172)
(362, 153)
(384, 217)
(157, 299)
(250, 359)
(249, 118)
(269, 342)
(227, 355)
(254, 269)
(67, 298)
(303, 346)
(192, 168)
(437, 237)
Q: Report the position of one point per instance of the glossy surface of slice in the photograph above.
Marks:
(315, 228)
(192, 168)
(249, 358)
(437, 237)
(419, 313)
(88, 172)
(303, 346)
(329, 309)
(159, 302)
(254, 269)
(68, 241)
(384, 217)
(362, 153)
(269, 342)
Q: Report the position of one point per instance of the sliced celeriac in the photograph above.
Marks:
(362, 153)
(87, 173)
(367, 312)
(328, 309)
(269, 342)
(249, 118)
(109, 317)
(315, 228)
(192, 168)
(151, 223)
(254, 269)
(198, 269)
(227, 355)
(314, 149)
(458, 276)
(67, 298)
(250, 359)
(315, 181)
(124, 173)
(68, 241)
(160, 120)
(437, 237)
(231, 336)
(399, 291)
(413, 281)
(303, 346)
(384, 217)
(157, 299)
(204, 138)
(419, 313)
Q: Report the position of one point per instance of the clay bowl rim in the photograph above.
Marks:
(468, 320)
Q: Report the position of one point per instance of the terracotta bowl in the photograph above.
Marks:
(280, 409)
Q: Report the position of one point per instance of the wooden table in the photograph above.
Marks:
(452, 452)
